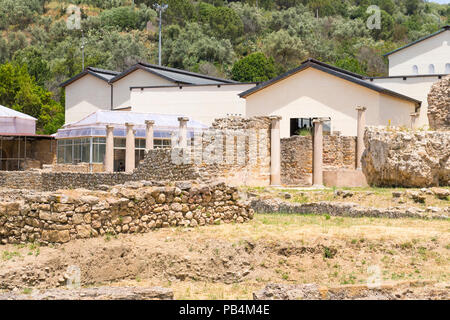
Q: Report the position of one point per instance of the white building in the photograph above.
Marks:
(202, 103)
(97, 89)
(318, 90)
(426, 56)
(415, 67)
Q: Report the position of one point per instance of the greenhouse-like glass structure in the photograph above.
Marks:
(85, 140)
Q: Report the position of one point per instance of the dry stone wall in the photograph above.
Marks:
(339, 152)
(48, 217)
(406, 158)
(439, 105)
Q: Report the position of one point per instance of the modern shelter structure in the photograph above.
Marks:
(316, 90)
(119, 139)
(98, 89)
(20, 147)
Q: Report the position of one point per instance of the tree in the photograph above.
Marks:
(351, 64)
(37, 67)
(191, 46)
(19, 91)
(287, 50)
(225, 23)
(255, 67)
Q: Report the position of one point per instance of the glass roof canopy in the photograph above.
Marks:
(94, 125)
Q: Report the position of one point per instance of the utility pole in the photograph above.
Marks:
(82, 47)
(160, 8)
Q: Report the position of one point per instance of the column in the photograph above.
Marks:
(182, 134)
(149, 134)
(109, 154)
(318, 153)
(414, 116)
(130, 148)
(360, 135)
(275, 151)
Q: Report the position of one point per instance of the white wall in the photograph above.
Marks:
(85, 96)
(200, 103)
(313, 93)
(121, 95)
(416, 87)
(434, 50)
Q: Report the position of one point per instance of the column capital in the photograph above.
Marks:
(109, 127)
(359, 108)
(149, 122)
(129, 125)
(319, 120)
(181, 119)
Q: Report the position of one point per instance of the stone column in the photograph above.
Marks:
(149, 134)
(318, 153)
(182, 133)
(414, 116)
(275, 152)
(130, 149)
(360, 135)
(109, 153)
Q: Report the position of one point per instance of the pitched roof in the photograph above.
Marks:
(10, 113)
(101, 74)
(174, 75)
(443, 29)
(335, 71)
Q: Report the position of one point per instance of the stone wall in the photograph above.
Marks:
(79, 168)
(297, 160)
(339, 152)
(406, 158)
(137, 207)
(439, 105)
(158, 164)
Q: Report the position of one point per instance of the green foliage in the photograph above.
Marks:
(191, 46)
(248, 40)
(351, 64)
(19, 91)
(226, 22)
(253, 68)
(19, 13)
(127, 17)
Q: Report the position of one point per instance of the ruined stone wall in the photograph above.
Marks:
(439, 105)
(80, 167)
(297, 160)
(61, 217)
(339, 152)
(406, 158)
(159, 164)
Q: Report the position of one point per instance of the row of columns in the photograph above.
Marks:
(130, 145)
(275, 145)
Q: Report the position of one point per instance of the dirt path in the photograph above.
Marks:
(233, 261)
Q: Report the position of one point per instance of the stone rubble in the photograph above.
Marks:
(101, 293)
(396, 291)
(344, 209)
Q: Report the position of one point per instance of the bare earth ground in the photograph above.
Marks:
(233, 261)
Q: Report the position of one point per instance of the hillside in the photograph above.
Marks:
(251, 40)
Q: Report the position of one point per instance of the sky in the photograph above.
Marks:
(441, 1)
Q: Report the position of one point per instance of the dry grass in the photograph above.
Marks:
(373, 197)
(403, 249)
